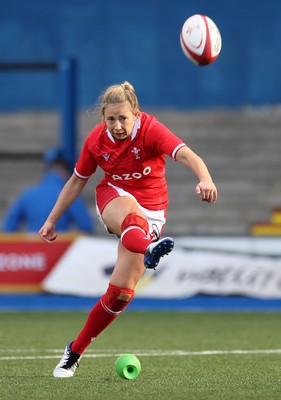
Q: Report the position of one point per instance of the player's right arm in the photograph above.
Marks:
(68, 195)
(206, 189)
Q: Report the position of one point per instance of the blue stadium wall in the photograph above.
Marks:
(138, 41)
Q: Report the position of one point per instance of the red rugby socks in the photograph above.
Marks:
(110, 305)
(134, 233)
(135, 240)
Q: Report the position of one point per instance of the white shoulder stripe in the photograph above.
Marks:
(176, 149)
(79, 175)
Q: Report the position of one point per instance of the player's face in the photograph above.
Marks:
(119, 120)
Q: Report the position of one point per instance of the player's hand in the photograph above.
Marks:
(207, 191)
(47, 232)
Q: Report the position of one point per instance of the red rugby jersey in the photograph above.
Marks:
(136, 164)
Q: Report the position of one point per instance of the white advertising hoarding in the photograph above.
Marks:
(219, 266)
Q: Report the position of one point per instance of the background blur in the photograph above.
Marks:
(228, 112)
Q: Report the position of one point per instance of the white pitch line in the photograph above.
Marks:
(151, 353)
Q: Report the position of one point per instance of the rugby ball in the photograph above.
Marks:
(200, 39)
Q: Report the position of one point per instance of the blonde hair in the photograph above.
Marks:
(117, 94)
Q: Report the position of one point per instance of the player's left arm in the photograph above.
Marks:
(206, 188)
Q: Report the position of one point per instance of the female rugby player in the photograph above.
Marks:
(131, 201)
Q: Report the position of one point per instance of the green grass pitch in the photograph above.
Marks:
(217, 356)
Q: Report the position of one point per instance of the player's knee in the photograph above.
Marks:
(133, 219)
(116, 299)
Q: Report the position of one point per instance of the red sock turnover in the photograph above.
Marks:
(134, 233)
